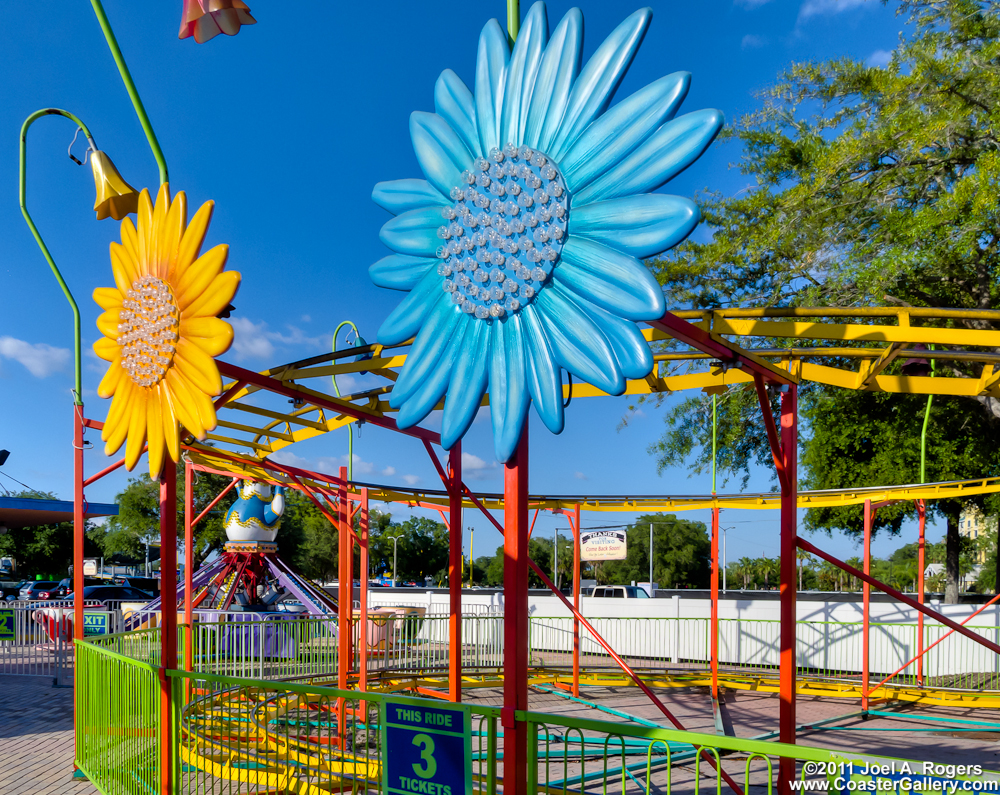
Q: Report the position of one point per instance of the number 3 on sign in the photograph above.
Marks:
(429, 766)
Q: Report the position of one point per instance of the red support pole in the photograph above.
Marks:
(715, 606)
(576, 601)
(345, 585)
(363, 635)
(79, 528)
(214, 502)
(921, 520)
(188, 570)
(789, 500)
(866, 593)
(455, 573)
(515, 589)
(168, 617)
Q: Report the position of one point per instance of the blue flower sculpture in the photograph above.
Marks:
(522, 249)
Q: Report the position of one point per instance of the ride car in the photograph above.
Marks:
(39, 589)
(620, 592)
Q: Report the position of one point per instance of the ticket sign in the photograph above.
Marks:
(603, 545)
(426, 750)
(6, 625)
(95, 624)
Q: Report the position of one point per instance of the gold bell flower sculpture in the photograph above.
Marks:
(115, 197)
(161, 332)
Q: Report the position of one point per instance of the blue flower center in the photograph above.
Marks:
(504, 233)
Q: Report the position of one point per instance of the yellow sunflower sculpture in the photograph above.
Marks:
(161, 332)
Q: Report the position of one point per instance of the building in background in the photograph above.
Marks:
(973, 524)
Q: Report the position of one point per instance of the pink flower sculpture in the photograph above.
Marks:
(206, 19)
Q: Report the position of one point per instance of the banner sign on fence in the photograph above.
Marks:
(602, 545)
(95, 624)
(426, 750)
(6, 625)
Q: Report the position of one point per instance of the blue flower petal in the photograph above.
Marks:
(610, 279)
(642, 226)
(400, 271)
(631, 349)
(508, 390)
(413, 232)
(425, 353)
(558, 69)
(671, 149)
(524, 61)
(440, 151)
(406, 319)
(422, 401)
(399, 195)
(599, 80)
(544, 372)
(468, 383)
(577, 342)
(454, 103)
(491, 69)
(605, 142)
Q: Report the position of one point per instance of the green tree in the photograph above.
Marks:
(868, 186)
(681, 554)
(44, 549)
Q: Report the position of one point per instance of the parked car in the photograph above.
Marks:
(66, 585)
(148, 584)
(115, 593)
(39, 589)
(620, 592)
(10, 590)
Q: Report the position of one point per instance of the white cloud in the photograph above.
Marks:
(256, 341)
(389, 471)
(475, 468)
(307, 319)
(751, 3)
(580, 476)
(330, 465)
(879, 58)
(812, 8)
(752, 42)
(40, 360)
(411, 480)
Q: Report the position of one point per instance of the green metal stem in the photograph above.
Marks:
(22, 194)
(133, 93)
(350, 427)
(513, 20)
(923, 432)
(715, 428)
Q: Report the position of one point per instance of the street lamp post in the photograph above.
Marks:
(395, 540)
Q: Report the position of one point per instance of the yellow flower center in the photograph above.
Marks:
(148, 325)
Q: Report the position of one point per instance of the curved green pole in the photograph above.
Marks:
(133, 94)
(923, 432)
(350, 427)
(22, 194)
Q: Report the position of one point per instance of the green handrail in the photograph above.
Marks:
(350, 426)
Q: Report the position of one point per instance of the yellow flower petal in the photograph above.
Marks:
(212, 335)
(171, 433)
(158, 258)
(111, 379)
(184, 406)
(200, 275)
(136, 429)
(154, 432)
(117, 422)
(219, 293)
(206, 410)
(198, 367)
(143, 232)
(108, 298)
(123, 268)
(107, 323)
(106, 349)
(173, 232)
(130, 240)
(194, 236)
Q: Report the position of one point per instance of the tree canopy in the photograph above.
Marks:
(866, 186)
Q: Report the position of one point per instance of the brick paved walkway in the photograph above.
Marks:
(36, 738)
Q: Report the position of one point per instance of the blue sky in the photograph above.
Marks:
(287, 126)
